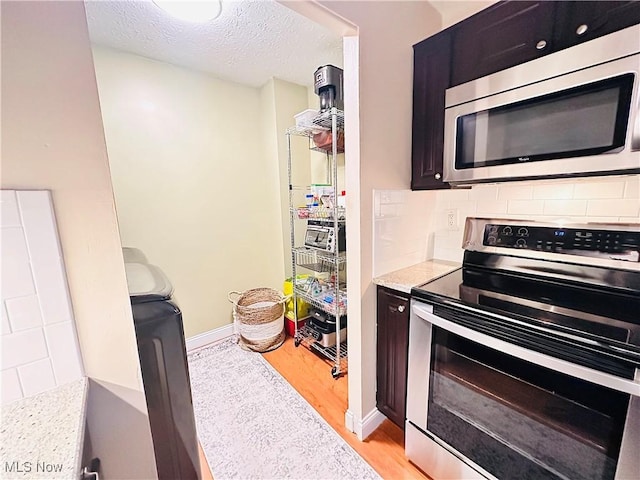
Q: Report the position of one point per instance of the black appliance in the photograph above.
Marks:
(525, 362)
(328, 85)
(165, 373)
(322, 327)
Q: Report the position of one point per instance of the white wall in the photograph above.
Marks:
(453, 11)
(378, 65)
(52, 139)
(282, 100)
(195, 188)
(39, 344)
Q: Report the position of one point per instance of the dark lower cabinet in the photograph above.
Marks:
(430, 80)
(392, 352)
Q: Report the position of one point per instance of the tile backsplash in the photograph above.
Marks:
(39, 344)
(412, 226)
(601, 199)
(401, 229)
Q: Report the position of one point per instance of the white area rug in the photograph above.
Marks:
(253, 425)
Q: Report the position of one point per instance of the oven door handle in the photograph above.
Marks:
(631, 387)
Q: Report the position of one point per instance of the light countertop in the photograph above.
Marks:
(404, 279)
(41, 437)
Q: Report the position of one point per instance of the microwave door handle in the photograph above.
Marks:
(635, 133)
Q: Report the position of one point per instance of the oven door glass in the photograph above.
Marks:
(518, 420)
(586, 120)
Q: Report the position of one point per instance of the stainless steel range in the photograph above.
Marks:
(525, 362)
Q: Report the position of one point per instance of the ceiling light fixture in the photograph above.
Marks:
(197, 11)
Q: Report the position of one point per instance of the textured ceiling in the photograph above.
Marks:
(250, 42)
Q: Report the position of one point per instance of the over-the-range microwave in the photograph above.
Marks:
(571, 113)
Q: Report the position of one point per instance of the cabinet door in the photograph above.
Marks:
(392, 354)
(431, 62)
(582, 21)
(501, 36)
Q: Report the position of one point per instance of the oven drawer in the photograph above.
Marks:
(439, 462)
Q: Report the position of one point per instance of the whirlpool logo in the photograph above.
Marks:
(523, 159)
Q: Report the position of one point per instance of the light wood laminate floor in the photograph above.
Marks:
(311, 377)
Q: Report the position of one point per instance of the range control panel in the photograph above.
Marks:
(564, 240)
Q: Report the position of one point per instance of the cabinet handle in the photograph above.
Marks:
(437, 176)
(582, 29)
(541, 45)
(401, 308)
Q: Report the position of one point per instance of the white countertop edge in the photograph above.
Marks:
(405, 279)
(62, 407)
(82, 426)
(399, 287)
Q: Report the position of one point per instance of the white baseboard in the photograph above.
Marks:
(365, 427)
(211, 336)
(370, 422)
(348, 420)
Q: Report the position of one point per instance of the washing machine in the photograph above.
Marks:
(165, 373)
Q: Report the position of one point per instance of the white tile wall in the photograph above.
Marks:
(599, 190)
(632, 188)
(9, 209)
(16, 278)
(63, 352)
(6, 328)
(400, 240)
(20, 348)
(619, 207)
(525, 207)
(39, 343)
(597, 199)
(410, 227)
(36, 377)
(573, 208)
(11, 389)
(24, 313)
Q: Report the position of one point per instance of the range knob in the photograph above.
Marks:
(523, 232)
(507, 231)
(491, 240)
(521, 243)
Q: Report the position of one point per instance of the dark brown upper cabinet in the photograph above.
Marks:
(578, 22)
(501, 36)
(392, 355)
(431, 69)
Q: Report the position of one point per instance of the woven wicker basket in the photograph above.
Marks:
(259, 317)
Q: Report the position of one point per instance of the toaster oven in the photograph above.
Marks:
(322, 235)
